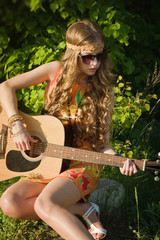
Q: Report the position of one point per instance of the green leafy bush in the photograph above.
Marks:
(128, 112)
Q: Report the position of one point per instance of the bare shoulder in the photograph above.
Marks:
(52, 68)
(38, 75)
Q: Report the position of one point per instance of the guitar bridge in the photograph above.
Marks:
(3, 139)
(1, 143)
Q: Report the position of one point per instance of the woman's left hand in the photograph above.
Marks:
(129, 168)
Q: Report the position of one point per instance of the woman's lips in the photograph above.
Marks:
(93, 69)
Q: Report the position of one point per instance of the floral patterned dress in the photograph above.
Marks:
(84, 175)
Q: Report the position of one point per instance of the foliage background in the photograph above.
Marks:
(32, 32)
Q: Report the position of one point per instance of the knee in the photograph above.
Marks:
(41, 207)
(45, 208)
(10, 205)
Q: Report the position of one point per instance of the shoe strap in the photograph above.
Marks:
(89, 211)
(97, 230)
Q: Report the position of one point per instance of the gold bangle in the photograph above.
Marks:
(14, 118)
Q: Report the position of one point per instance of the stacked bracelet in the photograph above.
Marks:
(13, 119)
(11, 123)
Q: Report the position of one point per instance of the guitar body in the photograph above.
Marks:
(15, 163)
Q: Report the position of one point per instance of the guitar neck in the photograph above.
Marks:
(64, 152)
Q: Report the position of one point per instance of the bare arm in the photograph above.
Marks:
(8, 98)
(8, 88)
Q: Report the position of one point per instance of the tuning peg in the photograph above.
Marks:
(156, 178)
(156, 173)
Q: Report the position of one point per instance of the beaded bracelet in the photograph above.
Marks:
(17, 119)
(14, 118)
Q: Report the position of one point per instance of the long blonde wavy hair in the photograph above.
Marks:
(97, 98)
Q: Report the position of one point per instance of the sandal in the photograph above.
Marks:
(87, 214)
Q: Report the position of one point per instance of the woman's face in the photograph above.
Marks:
(89, 61)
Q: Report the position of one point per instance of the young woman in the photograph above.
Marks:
(80, 94)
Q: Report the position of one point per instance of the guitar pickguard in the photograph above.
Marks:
(17, 163)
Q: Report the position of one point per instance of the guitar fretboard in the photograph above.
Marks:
(64, 152)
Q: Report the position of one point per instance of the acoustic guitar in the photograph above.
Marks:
(45, 157)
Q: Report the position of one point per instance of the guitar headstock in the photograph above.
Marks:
(154, 167)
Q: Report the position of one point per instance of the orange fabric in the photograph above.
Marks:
(84, 175)
(51, 85)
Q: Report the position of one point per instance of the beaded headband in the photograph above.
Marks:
(85, 47)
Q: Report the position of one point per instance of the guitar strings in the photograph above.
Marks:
(50, 149)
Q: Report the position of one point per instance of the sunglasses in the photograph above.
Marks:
(87, 59)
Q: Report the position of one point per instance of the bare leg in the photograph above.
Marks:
(18, 200)
(52, 204)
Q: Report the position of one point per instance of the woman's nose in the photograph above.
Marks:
(94, 62)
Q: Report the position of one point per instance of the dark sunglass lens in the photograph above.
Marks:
(99, 56)
(87, 59)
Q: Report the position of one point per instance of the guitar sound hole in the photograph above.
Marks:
(36, 148)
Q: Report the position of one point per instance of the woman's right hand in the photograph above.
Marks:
(21, 137)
